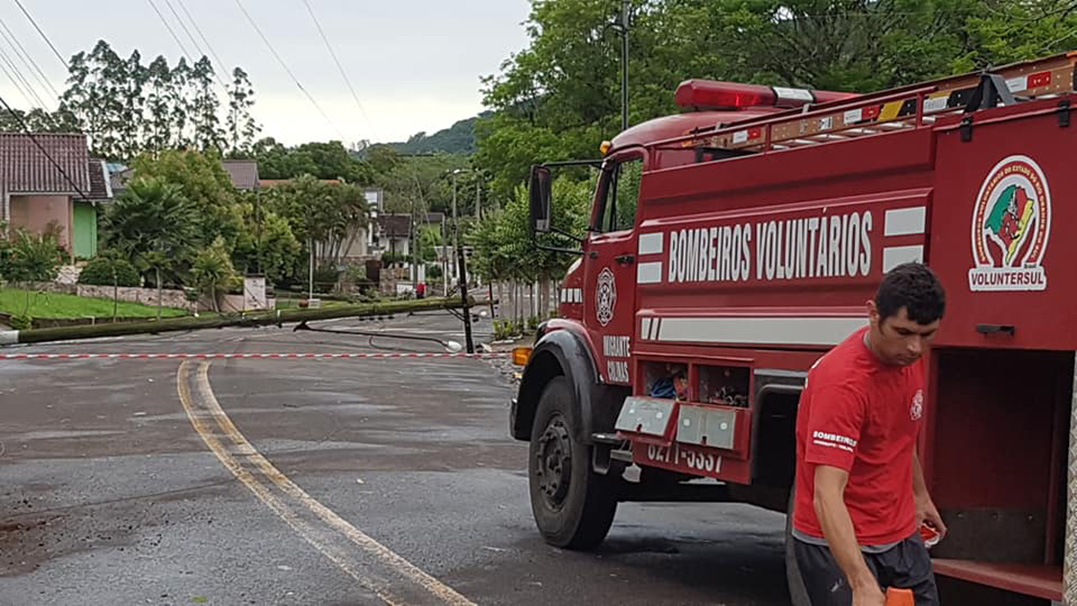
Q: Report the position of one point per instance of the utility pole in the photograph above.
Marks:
(621, 26)
(462, 265)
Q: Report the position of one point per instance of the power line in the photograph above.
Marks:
(288, 70)
(340, 67)
(18, 86)
(26, 131)
(18, 74)
(184, 26)
(25, 56)
(171, 32)
(196, 46)
(46, 38)
(200, 34)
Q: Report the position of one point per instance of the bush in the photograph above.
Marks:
(20, 322)
(99, 272)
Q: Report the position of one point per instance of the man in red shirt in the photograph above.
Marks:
(860, 491)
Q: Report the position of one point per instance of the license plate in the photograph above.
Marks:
(682, 457)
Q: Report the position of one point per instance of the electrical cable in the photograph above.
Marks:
(42, 33)
(288, 70)
(26, 58)
(20, 78)
(340, 68)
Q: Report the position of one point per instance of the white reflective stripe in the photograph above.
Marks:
(760, 330)
(793, 94)
(896, 255)
(935, 104)
(649, 273)
(651, 244)
(905, 221)
(1017, 84)
(645, 329)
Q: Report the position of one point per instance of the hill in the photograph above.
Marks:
(457, 139)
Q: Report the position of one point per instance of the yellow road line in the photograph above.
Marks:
(210, 421)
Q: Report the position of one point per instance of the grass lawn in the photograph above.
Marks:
(55, 305)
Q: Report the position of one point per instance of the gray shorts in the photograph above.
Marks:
(906, 565)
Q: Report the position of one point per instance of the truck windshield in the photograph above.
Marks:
(621, 186)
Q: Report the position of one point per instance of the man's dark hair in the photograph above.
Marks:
(914, 287)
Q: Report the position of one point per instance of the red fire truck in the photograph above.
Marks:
(732, 245)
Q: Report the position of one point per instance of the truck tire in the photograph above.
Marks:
(573, 506)
(798, 594)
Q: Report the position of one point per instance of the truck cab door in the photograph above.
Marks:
(610, 265)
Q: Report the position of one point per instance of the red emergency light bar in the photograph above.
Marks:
(710, 94)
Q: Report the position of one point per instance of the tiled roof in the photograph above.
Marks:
(395, 226)
(244, 173)
(25, 169)
(100, 188)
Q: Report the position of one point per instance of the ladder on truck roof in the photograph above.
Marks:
(887, 111)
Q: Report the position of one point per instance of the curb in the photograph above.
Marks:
(9, 337)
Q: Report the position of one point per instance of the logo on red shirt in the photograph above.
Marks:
(917, 409)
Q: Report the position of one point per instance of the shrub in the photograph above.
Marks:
(99, 272)
(20, 322)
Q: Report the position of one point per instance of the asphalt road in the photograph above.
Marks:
(317, 481)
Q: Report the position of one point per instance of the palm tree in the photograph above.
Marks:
(154, 225)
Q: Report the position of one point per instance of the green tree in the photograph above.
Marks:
(154, 224)
(213, 272)
(241, 126)
(205, 106)
(159, 98)
(110, 268)
(30, 258)
(202, 181)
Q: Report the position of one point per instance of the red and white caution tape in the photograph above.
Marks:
(239, 356)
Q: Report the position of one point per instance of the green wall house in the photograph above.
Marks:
(85, 230)
(85, 211)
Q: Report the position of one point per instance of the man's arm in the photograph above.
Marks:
(925, 507)
(841, 536)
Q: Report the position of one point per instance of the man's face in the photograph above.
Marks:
(897, 340)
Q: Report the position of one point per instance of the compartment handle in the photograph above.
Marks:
(987, 329)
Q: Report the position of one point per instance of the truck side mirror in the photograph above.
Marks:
(540, 199)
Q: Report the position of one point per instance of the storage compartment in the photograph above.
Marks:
(724, 385)
(662, 379)
(997, 455)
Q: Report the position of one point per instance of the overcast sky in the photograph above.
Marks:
(415, 64)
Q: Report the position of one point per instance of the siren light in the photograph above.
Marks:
(711, 94)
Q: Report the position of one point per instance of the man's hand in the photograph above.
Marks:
(868, 595)
(925, 507)
(927, 512)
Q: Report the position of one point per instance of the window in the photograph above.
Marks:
(621, 185)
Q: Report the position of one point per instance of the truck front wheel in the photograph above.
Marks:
(572, 505)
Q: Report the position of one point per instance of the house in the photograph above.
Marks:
(87, 209)
(357, 243)
(392, 234)
(46, 185)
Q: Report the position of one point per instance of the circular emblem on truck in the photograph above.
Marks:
(1011, 224)
(605, 296)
